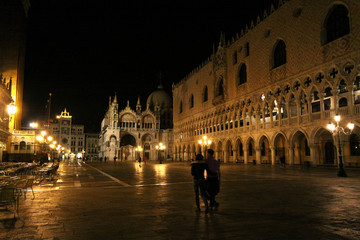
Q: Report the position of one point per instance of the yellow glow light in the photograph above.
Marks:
(337, 118)
(11, 109)
(43, 133)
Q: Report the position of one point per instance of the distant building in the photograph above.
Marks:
(70, 136)
(125, 130)
(268, 94)
(91, 146)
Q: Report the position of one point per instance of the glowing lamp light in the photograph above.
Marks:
(331, 127)
(50, 138)
(33, 125)
(11, 109)
(337, 118)
(43, 133)
(351, 126)
(39, 138)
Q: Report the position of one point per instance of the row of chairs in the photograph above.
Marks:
(11, 193)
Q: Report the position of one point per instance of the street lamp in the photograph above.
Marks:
(11, 109)
(43, 140)
(204, 142)
(336, 129)
(139, 150)
(160, 147)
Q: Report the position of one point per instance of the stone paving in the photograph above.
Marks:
(156, 201)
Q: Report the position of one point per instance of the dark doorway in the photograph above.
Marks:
(329, 153)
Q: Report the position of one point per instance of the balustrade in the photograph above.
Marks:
(344, 111)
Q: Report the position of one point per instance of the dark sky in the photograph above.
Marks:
(83, 51)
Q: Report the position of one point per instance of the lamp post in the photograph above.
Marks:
(45, 140)
(204, 142)
(160, 147)
(139, 150)
(336, 129)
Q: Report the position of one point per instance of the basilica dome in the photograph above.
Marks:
(159, 97)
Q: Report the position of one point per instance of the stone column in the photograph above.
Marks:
(246, 155)
(258, 155)
(291, 155)
(313, 154)
(271, 118)
(272, 155)
(234, 156)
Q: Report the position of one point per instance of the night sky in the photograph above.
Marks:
(84, 51)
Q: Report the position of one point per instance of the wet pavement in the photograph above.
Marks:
(156, 201)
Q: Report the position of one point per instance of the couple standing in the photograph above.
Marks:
(210, 187)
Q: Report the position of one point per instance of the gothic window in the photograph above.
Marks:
(242, 77)
(343, 102)
(356, 90)
(315, 102)
(181, 107)
(337, 23)
(354, 145)
(22, 145)
(293, 106)
(205, 94)
(220, 88)
(192, 101)
(279, 57)
(327, 98)
(342, 86)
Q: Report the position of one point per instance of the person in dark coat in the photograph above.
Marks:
(197, 171)
(213, 177)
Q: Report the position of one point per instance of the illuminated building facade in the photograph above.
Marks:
(91, 146)
(13, 15)
(123, 131)
(269, 93)
(70, 136)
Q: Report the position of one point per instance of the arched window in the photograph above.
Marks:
(242, 77)
(22, 145)
(181, 107)
(354, 145)
(337, 23)
(220, 88)
(205, 94)
(343, 102)
(279, 54)
(343, 86)
(191, 101)
(356, 90)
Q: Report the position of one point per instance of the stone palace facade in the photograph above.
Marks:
(270, 91)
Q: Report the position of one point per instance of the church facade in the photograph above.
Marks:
(124, 132)
(268, 93)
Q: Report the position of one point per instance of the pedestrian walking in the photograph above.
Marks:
(197, 171)
(145, 159)
(139, 161)
(105, 159)
(213, 177)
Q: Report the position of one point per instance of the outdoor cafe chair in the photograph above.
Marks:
(28, 185)
(8, 197)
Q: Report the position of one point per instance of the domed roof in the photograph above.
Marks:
(159, 97)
